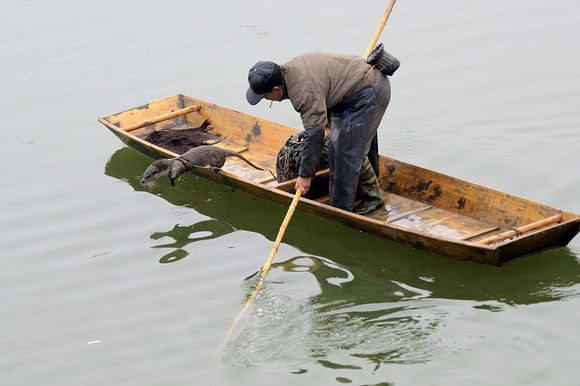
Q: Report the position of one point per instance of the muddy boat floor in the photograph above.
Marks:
(424, 218)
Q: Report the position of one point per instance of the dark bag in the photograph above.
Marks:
(288, 161)
(383, 61)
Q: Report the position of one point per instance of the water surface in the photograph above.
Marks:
(106, 282)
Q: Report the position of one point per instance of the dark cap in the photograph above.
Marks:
(263, 76)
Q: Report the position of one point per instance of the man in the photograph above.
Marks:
(354, 96)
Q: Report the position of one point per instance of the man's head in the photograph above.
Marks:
(265, 79)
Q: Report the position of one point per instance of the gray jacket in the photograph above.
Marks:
(317, 81)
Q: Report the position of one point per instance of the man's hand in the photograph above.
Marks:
(303, 183)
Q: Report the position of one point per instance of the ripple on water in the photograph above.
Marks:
(292, 324)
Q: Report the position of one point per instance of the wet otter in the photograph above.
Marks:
(198, 157)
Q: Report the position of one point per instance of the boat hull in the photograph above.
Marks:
(426, 210)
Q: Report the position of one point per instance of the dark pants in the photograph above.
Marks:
(352, 137)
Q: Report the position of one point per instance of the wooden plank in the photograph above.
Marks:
(161, 118)
(432, 221)
(439, 223)
(266, 180)
(444, 217)
(457, 226)
(523, 229)
(481, 233)
(407, 214)
(396, 204)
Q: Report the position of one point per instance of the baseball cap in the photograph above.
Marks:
(262, 77)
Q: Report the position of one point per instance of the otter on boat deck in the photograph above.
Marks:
(424, 209)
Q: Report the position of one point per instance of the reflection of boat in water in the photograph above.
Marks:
(184, 235)
(376, 265)
(426, 210)
(389, 316)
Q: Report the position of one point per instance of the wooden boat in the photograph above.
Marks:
(424, 209)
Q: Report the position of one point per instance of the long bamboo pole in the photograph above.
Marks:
(523, 229)
(268, 263)
(380, 28)
(162, 118)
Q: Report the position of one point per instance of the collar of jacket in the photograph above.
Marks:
(283, 69)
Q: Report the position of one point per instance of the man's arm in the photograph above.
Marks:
(313, 140)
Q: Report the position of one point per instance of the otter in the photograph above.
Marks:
(209, 156)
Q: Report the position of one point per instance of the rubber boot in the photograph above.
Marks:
(368, 190)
